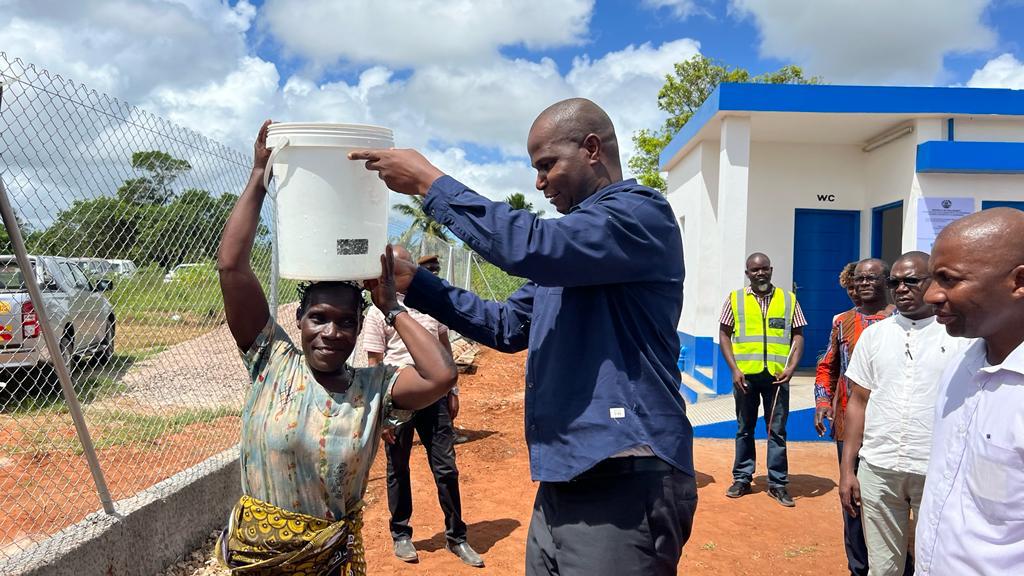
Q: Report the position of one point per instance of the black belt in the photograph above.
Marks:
(625, 465)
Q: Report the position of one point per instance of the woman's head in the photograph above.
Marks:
(846, 281)
(329, 318)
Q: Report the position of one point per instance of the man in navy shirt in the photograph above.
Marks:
(606, 426)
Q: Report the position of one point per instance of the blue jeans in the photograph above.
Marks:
(761, 390)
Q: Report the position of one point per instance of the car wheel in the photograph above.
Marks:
(67, 352)
(106, 350)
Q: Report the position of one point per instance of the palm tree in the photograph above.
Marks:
(422, 223)
(517, 200)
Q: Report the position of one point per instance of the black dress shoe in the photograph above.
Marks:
(405, 551)
(738, 488)
(466, 554)
(782, 495)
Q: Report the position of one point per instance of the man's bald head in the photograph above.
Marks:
(977, 288)
(758, 259)
(915, 257)
(576, 118)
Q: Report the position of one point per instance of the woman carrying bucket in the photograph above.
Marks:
(311, 423)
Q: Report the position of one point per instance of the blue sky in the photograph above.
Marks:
(461, 80)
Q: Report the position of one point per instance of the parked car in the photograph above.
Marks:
(94, 267)
(123, 268)
(76, 307)
(173, 274)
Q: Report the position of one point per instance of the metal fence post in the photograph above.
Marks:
(63, 374)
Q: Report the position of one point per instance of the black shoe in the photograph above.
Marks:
(782, 496)
(466, 554)
(738, 488)
(405, 551)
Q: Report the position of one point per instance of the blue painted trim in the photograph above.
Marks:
(876, 226)
(832, 99)
(799, 428)
(1018, 204)
(950, 130)
(940, 156)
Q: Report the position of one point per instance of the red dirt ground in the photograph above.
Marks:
(753, 535)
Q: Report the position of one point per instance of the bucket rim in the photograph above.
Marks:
(278, 126)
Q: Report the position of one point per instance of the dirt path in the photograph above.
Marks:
(753, 535)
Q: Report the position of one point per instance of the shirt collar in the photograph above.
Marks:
(614, 186)
(906, 323)
(1014, 362)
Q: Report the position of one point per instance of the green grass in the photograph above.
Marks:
(110, 429)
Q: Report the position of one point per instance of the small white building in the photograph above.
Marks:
(817, 176)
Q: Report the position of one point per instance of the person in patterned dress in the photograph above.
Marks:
(311, 422)
(831, 389)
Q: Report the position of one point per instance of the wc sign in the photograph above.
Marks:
(826, 197)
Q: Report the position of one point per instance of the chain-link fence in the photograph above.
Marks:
(122, 212)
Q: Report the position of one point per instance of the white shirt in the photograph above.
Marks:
(901, 361)
(380, 338)
(972, 513)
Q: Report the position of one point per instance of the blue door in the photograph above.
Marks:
(823, 242)
(986, 204)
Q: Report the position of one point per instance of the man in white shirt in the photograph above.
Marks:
(434, 427)
(894, 375)
(972, 514)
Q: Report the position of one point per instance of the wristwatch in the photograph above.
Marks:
(390, 317)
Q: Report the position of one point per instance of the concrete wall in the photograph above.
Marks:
(988, 130)
(151, 531)
(785, 177)
(888, 177)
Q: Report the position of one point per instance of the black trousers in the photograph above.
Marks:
(434, 427)
(617, 522)
(853, 533)
(762, 391)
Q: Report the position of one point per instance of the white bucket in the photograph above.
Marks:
(332, 213)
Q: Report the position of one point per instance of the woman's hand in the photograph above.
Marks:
(382, 290)
(261, 154)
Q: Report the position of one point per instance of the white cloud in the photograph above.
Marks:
(126, 47)
(681, 9)
(869, 41)
(1002, 72)
(409, 33)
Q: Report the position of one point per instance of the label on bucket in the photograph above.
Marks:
(353, 246)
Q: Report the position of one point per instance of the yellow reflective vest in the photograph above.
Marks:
(758, 342)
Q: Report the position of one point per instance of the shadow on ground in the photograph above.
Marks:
(800, 485)
(482, 536)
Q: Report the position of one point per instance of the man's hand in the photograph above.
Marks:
(739, 382)
(404, 171)
(784, 377)
(849, 493)
(822, 413)
(453, 405)
(388, 434)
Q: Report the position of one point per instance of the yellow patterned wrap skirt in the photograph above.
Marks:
(264, 540)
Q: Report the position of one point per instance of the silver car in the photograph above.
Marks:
(76, 307)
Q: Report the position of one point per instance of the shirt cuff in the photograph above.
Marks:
(436, 201)
(424, 288)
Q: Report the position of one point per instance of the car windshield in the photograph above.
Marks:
(10, 276)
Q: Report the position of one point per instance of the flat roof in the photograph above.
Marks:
(834, 99)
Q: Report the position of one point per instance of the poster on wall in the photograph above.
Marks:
(934, 214)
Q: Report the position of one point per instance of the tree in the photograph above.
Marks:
(517, 200)
(186, 230)
(154, 188)
(6, 247)
(422, 223)
(682, 94)
(99, 228)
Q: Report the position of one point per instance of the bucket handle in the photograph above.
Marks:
(270, 167)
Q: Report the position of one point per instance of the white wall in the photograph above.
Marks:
(693, 194)
(888, 177)
(784, 177)
(988, 130)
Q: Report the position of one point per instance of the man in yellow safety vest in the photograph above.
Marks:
(761, 336)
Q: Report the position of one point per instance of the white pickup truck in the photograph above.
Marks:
(76, 308)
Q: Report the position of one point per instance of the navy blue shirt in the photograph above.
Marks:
(598, 315)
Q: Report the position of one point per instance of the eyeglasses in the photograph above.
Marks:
(866, 279)
(909, 281)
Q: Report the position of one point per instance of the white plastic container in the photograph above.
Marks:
(332, 213)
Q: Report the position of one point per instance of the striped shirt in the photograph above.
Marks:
(764, 301)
